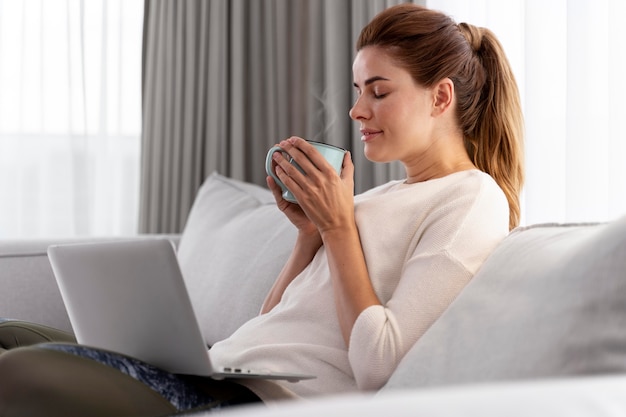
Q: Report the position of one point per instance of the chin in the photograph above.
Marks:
(374, 156)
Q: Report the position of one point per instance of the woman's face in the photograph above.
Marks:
(393, 111)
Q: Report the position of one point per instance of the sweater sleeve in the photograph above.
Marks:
(383, 334)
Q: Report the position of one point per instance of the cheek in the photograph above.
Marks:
(390, 115)
(399, 119)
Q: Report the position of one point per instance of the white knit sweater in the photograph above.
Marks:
(422, 243)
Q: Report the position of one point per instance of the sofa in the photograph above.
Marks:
(540, 330)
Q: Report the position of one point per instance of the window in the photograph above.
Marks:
(70, 117)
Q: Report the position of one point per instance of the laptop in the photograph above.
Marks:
(129, 297)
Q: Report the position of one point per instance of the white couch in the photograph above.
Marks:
(540, 330)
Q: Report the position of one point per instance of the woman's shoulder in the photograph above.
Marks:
(464, 198)
(480, 193)
(478, 182)
(462, 182)
(480, 207)
(462, 195)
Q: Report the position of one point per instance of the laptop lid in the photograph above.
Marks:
(130, 297)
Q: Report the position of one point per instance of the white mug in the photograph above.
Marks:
(333, 154)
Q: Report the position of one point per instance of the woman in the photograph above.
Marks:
(368, 274)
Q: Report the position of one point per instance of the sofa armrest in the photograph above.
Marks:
(28, 289)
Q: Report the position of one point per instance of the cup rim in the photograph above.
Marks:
(327, 144)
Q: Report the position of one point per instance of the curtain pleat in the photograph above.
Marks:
(224, 80)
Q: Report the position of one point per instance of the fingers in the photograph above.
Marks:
(277, 192)
(347, 169)
(274, 188)
(306, 156)
(310, 166)
(294, 176)
(290, 176)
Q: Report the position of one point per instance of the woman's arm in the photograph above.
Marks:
(327, 199)
(303, 252)
(351, 282)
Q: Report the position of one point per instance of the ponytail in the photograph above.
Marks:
(431, 46)
(494, 128)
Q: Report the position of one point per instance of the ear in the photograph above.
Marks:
(443, 96)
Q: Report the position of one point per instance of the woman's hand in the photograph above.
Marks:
(293, 211)
(325, 198)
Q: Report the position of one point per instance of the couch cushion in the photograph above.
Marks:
(576, 397)
(550, 301)
(233, 246)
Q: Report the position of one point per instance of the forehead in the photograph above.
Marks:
(373, 61)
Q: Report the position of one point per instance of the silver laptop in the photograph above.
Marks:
(130, 297)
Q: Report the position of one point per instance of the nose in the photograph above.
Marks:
(358, 110)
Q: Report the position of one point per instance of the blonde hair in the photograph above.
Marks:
(431, 46)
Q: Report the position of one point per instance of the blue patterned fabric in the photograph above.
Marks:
(180, 392)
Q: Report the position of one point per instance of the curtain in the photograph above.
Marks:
(569, 57)
(224, 80)
(70, 114)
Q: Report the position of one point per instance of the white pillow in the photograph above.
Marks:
(234, 245)
(548, 302)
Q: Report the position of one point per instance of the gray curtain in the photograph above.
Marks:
(224, 80)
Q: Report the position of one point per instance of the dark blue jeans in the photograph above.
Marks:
(70, 379)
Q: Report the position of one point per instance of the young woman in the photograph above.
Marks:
(369, 273)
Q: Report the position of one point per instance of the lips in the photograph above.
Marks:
(369, 134)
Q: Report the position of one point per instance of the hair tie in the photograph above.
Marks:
(473, 34)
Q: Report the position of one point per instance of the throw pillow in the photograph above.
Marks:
(548, 302)
(233, 247)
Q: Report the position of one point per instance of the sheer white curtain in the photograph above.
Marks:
(70, 117)
(569, 57)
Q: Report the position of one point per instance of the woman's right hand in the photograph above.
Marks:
(294, 213)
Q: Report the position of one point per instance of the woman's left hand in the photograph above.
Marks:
(326, 197)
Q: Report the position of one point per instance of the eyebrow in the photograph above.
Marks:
(372, 80)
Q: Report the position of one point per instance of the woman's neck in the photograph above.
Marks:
(440, 160)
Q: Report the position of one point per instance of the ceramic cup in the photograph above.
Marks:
(333, 154)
